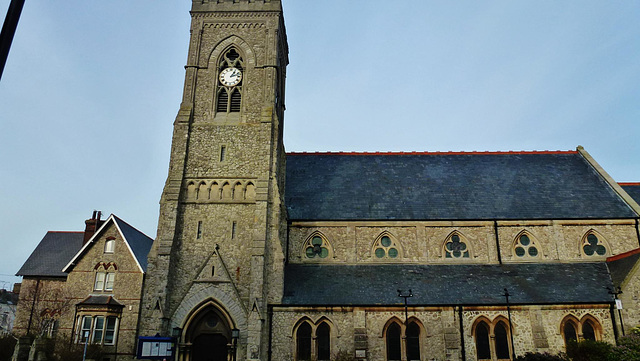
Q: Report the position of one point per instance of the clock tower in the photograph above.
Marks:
(218, 258)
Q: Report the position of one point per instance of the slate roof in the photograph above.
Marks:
(101, 300)
(370, 285)
(53, 252)
(139, 242)
(620, 265)
(447, 186)
(633, 189)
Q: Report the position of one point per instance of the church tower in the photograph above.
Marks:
(218, 257)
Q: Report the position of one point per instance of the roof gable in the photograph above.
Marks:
(137, 243)
(446, 186)
(53, 252)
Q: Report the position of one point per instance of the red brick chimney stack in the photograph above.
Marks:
(91, 226)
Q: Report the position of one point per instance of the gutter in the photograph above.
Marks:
(495, 229)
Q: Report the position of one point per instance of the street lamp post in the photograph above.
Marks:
(615, 292)
(513, 346)
(235, 334)
(406, 311)
(86, 341)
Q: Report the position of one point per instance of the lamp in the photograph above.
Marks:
(176, 332)
(235, 334)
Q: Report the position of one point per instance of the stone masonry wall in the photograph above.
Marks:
(127, 286)
(536, 328)
(423, 242)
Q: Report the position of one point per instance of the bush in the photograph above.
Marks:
(588, 350)
(61, 348)
(7, 343)
(628, 349)
(537, 356)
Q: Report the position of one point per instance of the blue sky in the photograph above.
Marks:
(91, 89)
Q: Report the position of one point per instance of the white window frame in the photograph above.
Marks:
(109, 281)
(98, 327)
(83, 330)
(98, 285)
(104, 281)
(109, 246)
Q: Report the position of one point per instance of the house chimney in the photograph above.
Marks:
(91, 226)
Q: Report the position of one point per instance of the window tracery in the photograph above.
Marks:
(317, 247)
(229, 93)
(456, 247)
(386, 247)
(525, 246)
(593, 245)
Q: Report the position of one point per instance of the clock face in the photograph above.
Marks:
(230, 76)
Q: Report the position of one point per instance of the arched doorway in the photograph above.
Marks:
(208, 334)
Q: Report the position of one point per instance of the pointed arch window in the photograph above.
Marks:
(386, 247)
(525, 247)
(230, 79)
(313, 341)
(492, 339)
(303, 342)
(323, 340)
(483, 347)
(394, 346)
(456, 247)
(317, 247)
(592, 245)
(588, 328)
(413, 342)
(401, 340)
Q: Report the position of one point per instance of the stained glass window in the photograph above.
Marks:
(456, 248)
(385, 247)
(317, 247)
(525, 247)
(593, 246)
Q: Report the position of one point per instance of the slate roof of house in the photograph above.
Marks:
(101, 300)
(139, 242)
(447, 186)
(53, 252)
(621, 265)
(370, 285)
(633, 189)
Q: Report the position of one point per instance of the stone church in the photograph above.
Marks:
(267, 255)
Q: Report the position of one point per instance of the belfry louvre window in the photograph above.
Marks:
(229, 92)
